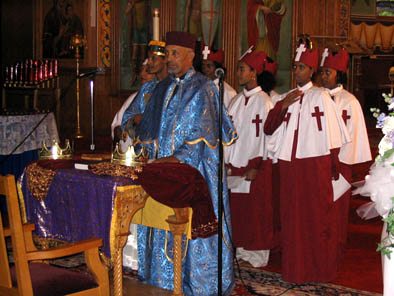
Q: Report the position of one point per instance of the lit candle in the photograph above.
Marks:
(156, 24)
(54, 151)
(129, 155)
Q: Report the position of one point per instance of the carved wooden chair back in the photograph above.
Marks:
(29, 275)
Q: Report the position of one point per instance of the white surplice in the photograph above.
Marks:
(358, 150)
(317, 134)
(228, 94)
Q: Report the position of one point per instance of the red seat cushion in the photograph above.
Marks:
(52, 281)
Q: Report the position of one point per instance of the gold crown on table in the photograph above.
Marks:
(129, 157)
(55, 152)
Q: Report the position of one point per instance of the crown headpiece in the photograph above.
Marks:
(55, 152)
(129, 158)
(157, 47)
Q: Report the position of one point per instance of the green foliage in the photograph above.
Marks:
(386, 245)
(388, 153)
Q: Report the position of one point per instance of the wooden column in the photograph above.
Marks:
(167, 17)
(231, 21)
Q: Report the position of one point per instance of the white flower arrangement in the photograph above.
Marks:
(379, 184)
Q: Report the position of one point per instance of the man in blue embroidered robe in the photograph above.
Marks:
(157, 65)
(182, 118)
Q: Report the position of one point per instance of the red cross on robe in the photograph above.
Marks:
(257, 121)
(318, 114)
(345, 117)
(287, 118)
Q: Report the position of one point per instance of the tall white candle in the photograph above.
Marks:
(156, 24)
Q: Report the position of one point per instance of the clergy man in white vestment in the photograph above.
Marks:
(333, 74)
(307, 133)
(247, 165)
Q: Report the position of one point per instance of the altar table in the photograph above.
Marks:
(80, 205)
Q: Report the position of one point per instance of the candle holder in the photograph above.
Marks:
(77, 42)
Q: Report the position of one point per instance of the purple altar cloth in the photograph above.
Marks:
(78, 206)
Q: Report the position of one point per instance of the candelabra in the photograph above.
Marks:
(78, 42)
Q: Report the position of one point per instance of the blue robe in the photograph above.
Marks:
(188, 129)
(138, 105)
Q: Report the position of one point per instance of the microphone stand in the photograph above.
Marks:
(220, 75)
(91, 84)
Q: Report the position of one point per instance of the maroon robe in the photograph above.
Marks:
(309, 229)
(342, 205)
(252, 213)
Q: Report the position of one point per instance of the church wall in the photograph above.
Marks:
(325, 20)
(16, 31)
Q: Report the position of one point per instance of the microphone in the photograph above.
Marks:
(219, 73)
(92, 72)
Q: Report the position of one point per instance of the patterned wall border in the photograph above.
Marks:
(344, 18)
(105, 32)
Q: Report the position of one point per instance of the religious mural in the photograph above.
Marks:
(264, 19)
(202, 18)
(363, 7)
(266, 25)
(61, 22)
(135, 34)
(385, 8)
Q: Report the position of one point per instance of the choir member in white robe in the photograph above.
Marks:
(212, 61)
(333, 74)
(306, 135)
(247, 164)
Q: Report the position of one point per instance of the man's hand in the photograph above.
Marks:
(250, 174)
(168, 159)
(291, 98)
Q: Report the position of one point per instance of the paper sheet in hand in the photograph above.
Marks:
(238, 184)
(340, 186)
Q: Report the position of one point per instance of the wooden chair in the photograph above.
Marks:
(30, 277)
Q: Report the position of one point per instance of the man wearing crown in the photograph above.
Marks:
(181, 118)
(246, 161)
(157, 65)
(333, 75)
(306, 135)
(212, 61)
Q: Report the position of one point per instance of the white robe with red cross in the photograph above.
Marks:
(251, 209)
(316, 134)
(304, 138)
(358, 150)
(248, 111)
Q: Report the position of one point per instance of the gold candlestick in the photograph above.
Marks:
(78, 42)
